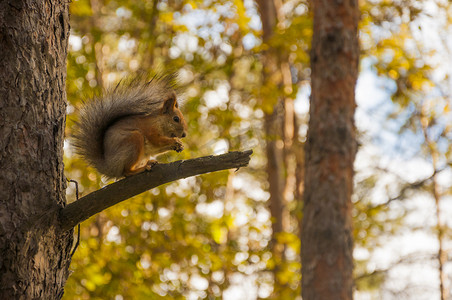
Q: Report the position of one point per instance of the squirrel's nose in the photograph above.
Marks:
(184, 134)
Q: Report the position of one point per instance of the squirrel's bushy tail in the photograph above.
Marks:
(132, 97)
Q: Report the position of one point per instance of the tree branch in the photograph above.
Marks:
(97, 201)
(408, 187)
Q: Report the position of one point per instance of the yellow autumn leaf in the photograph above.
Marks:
(219, 233)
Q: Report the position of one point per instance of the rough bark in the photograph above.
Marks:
(112, 194)
(327, 245)
(34, 257)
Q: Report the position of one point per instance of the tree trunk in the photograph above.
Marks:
(442, 253)
(34, 254)
(327, 246)
(274, 124)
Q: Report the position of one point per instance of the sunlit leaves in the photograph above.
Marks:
(405, 42)
(200, 236)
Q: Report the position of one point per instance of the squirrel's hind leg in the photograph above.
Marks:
(124, 149)
(137, 161)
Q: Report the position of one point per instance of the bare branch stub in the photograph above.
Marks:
(97, 201)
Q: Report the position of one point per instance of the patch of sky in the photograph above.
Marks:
(251, 10)
(75, 42)
(207, 25)
(250, 41)
(373, 97)
(302, 99)
(123, 12)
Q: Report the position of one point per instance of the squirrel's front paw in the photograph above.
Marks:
(178, 147)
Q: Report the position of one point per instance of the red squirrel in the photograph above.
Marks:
(117, 133)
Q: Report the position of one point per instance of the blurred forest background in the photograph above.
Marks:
(235, 235)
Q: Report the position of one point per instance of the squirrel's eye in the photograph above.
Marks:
(176, 119)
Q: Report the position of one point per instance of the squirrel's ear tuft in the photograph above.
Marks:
(170, 104)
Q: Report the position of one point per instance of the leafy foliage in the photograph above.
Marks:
(203, 237)
(195, 237)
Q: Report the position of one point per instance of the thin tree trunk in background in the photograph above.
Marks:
(274, 127)
(95, 18)
(273, 122)
(327, 246)
(442, 253)
(148, 60)
(298, 149)
(290, 139)
(34, 254)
